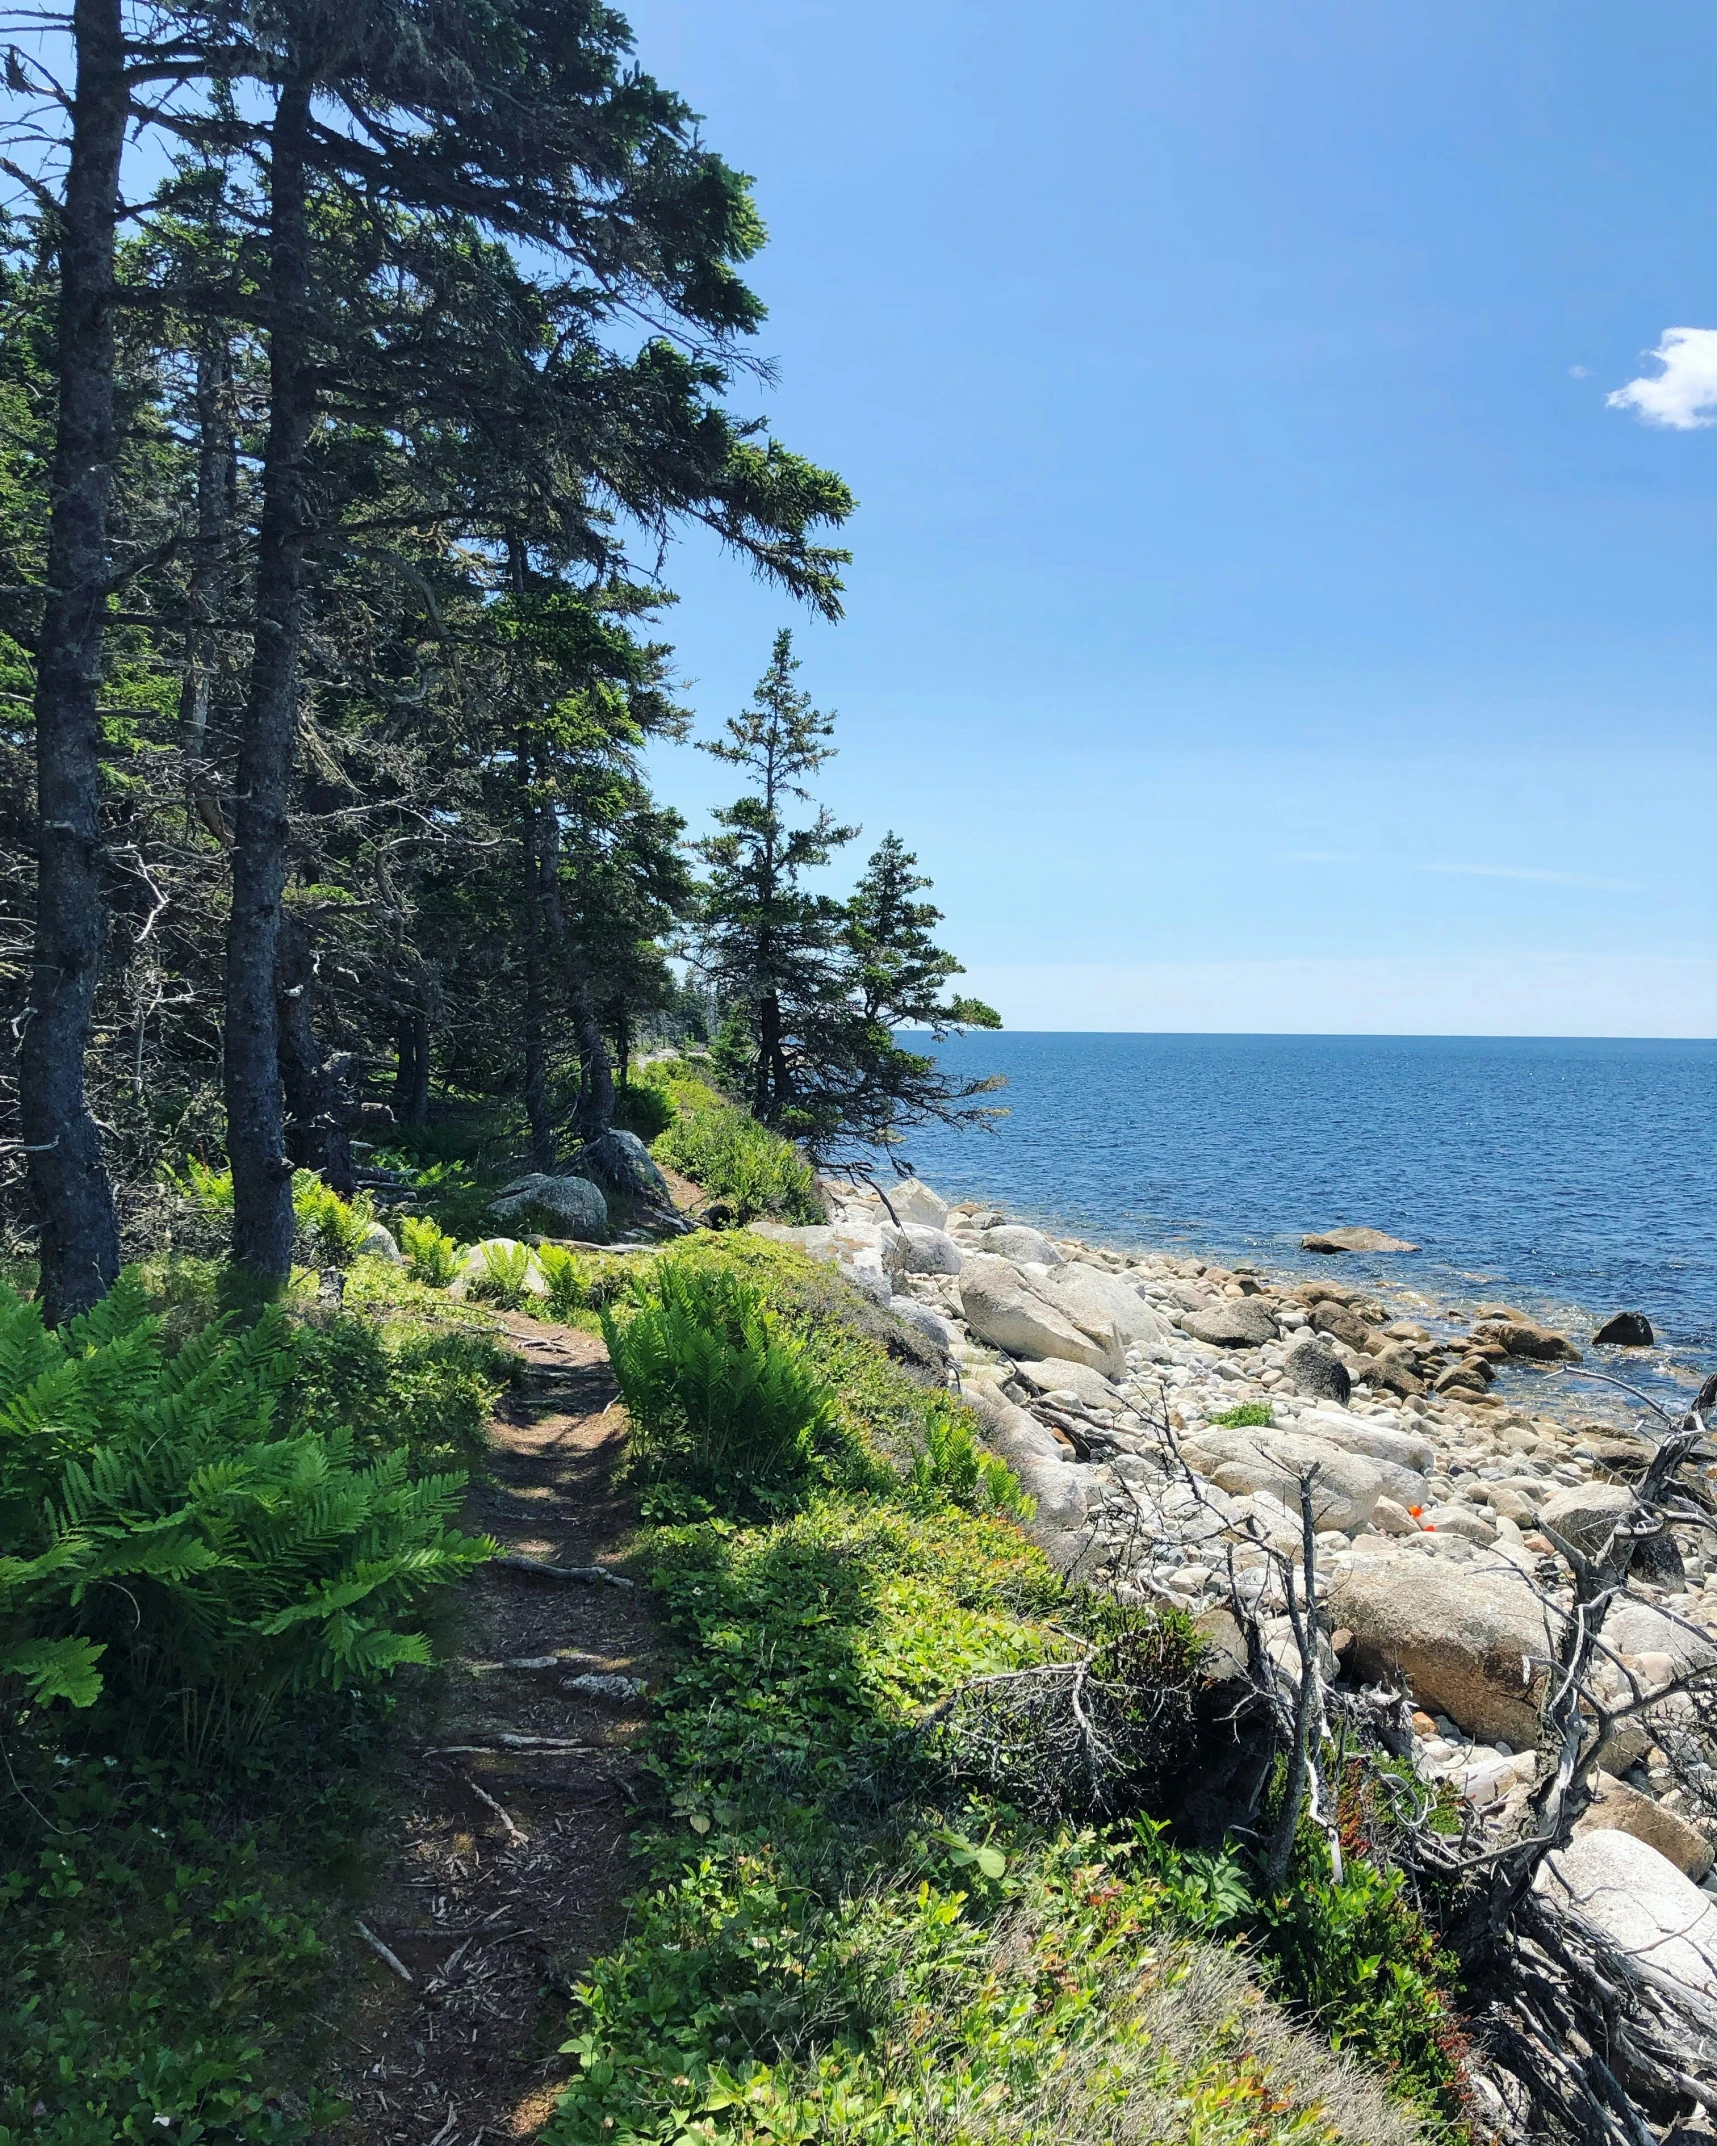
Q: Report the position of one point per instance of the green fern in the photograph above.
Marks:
(431, 1256)
(720, 1396)
(505, 1271)
(175, 1550)
(334, 1229)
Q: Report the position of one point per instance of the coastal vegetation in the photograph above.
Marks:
(397, 1075)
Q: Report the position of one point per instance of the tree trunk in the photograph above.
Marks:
(262, 1175)
(595, 1113)
(534, 846)
(319, 1102)
(411, 1084)
(79, 1227)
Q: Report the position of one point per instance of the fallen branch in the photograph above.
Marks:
(514, 1831)
(535, 1569)
(385, 1954)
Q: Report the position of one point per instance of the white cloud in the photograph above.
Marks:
(1579, 372)
(1684, 394)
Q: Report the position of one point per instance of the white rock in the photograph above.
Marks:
(913, 1201)
(379, 1244)
(1080, 1289)
(1003, 1307)
(1242, 1461)
(929, 1251)
(1052, 1374)
(1013, 1240)
(1641, 1902)
(931, 1324)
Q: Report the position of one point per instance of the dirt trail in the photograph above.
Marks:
(493, 1928)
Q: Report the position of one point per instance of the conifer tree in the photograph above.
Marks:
(771, 944)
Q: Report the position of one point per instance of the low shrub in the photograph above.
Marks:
(720, 1398)
(397, 1388)
(743, 1164)
(176, 1554)
(1250, 1415)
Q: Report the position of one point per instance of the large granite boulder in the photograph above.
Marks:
(1586, 1514)
(1619, 1809)
(1641, 1902)
(1525, 1337)
(1083, 1290)
(620, 1161)
(1341, 1324)
(1235, 1323)
(928, 1251)
(1243, 1461)
(1015, 1241)
(1357, 1434)
(379, 1244)
(1314, 1369)
(913, 1201)
(1059, 1374)
(1471, 1644)
(924, 1321)
(1005, 1308)
(556, 1206)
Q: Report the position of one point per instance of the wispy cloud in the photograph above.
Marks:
(1684, 395)
(1530, 871)
(1541, 873)
(1579, 372)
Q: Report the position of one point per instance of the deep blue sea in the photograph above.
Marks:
(1572, 1178)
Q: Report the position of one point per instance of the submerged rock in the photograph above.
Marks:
(1354, 1240)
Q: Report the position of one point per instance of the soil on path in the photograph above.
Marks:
(508, 1867)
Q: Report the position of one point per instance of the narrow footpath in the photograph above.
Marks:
(508, 1868)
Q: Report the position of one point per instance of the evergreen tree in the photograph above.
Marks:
(895, 978)
(771, 945)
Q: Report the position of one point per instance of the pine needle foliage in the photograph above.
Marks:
(178, 1557)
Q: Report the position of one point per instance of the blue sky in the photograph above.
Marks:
(1260, 617)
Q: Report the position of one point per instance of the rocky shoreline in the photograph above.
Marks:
(1161, 1411)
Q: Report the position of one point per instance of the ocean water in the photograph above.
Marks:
(1572, 1178)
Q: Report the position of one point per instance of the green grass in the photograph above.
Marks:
(846, 1931)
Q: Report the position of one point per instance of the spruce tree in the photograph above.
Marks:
(772, 946)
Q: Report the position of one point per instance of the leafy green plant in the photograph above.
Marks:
(503, 1274)
(955, 1469)
(431, 1255)
(177, 1555)
(719, 1395)
(402, 1388)
(334, 1229)
(211, 1189)
(743, 1164)
(1250, 1415)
